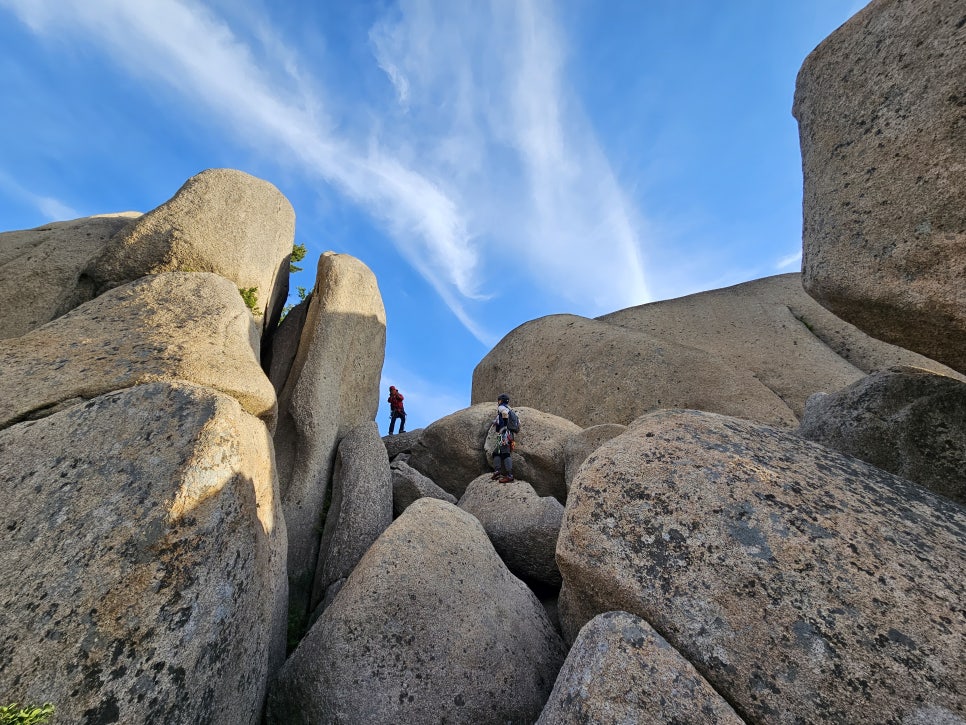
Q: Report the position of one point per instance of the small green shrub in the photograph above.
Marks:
(302, 293)
(250, 295)
(298, 254)
(13, 714)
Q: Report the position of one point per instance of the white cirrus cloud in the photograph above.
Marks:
(789, 261)
(52, 209)
(486, 87)
(184, 45)
(478, 150)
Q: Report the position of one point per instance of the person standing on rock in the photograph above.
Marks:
(502, 460)
(396, 410)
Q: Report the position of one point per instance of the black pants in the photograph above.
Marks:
(502, 459)
(399, 415)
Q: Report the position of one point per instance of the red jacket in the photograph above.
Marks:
(396, 401)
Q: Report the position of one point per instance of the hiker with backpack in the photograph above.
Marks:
(396, 410)
(506, 424)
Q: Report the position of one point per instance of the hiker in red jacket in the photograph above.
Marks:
(396, 410)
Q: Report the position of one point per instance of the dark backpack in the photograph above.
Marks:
(513, 421)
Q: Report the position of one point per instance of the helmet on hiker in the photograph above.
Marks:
(504, 398)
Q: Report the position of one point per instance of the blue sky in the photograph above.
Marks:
(490, 161)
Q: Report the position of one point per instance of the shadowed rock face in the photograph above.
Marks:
(332, 386)
(361, 507)
(142, 559)
(880, 106)
(221, 220)
(522, 526)
(756, 351)
(905, 420)
(450, 451)
(619, 670)
(401, 442)
(430, 627)
(174, 326)
(804, 585)
(45, 266)
(409, 485)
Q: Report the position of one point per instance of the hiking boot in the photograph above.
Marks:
(496, 476)
(506, 479)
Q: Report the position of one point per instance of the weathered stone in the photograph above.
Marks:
(361, 506)
(621, 671)
(285, 344)
(593, 372)
(175, 326)
(409, 485)
(401, 442)
(771, 327)
(539, 450)
(332, 386)
(430, 627)
(907, 421)
(522, 526)
(582, 444)
(880, 106)
(450, 451)
(44, 265)
(221, 220)
(730, 351)
(804, 585)
(142, 559)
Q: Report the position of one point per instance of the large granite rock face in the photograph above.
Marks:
(907, 421)
(619, 670)
(43, 268)
(430, 627)
(880, 110)
(174, 326)
(401, 442)
(142, 559)
(361, 507)
(450, 451)
(756, 351)
(522, 526)
(221, 220)
(285, 344)
(804, 585)
(332, 386)
(581, 445)
(409, 485)
(592, 372)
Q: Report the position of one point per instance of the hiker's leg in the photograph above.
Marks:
(392, 423)
(508, 464)
(402, 423)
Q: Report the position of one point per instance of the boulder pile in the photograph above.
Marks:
(733, 507)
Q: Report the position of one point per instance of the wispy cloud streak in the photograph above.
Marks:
(51, 208)
(513, 141)
(792, 260)
(184, 45)
(478, 146)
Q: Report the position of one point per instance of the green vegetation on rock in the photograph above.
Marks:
(13, 714)
(298, 254)
(250, 295)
